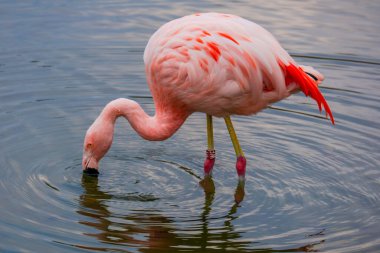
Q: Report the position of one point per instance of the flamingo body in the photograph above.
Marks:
(219, 64)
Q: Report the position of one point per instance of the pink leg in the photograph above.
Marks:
(240, 159)
(210, 152)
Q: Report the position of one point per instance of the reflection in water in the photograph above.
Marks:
(143, 229)
(309, 181)
(226, 239)
(151, 231)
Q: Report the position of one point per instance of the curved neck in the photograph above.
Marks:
(159, 127)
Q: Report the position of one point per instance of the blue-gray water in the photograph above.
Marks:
(310, 186)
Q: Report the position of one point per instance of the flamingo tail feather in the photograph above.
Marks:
(308, 87)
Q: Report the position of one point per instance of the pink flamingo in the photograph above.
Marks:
(219, 64)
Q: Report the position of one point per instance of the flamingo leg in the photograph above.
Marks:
(210, 152)
(240, 158)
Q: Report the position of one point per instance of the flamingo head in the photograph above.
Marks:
(314, 74)
(97, 142)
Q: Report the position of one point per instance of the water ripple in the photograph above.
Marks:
(310, 186)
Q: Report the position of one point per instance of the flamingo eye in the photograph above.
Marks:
(312, 76)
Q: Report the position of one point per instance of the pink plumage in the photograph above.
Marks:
(219, 64)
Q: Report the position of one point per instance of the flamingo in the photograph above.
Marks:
(218, 64)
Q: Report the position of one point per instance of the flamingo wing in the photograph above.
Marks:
(222, 64)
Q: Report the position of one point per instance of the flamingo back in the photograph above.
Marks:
(220, 64)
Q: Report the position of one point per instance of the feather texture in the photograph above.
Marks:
(220, 64)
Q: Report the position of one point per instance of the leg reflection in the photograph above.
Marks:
(240, 191)
(208, 185)
(215, 235)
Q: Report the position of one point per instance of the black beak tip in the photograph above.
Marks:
(312, 76)
(91, 172)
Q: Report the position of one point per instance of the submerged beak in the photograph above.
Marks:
(91, 172)
(88, 165)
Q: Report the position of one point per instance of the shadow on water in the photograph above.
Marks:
(151, 231)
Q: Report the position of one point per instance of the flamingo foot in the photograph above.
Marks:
(241, 163)
(209, 162)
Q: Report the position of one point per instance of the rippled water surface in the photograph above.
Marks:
(310, 186)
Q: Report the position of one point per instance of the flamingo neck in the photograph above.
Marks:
(154, 128)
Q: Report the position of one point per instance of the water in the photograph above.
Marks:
(310, 186)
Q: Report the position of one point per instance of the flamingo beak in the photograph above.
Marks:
(91, 172)
(312, 76)
(87, 168)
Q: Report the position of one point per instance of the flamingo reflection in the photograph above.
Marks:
(151, 231)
